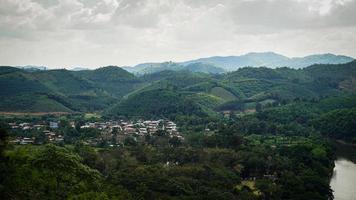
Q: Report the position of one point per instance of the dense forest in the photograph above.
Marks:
(278, 152)
(226, 164)
(254, 133)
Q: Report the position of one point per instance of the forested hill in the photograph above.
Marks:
(237, 91)
(63, 90)
(118, 92)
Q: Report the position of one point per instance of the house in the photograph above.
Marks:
(129, 130)
(26, 140)
(59, 138)
(53, 125)
(38, 126)
(143, 131)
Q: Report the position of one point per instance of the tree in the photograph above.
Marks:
(258, 107)
(130, 141)
(3, 141)
(89, 196)
(64, 170)
(3, 161)
(175, 141)
(268, 189)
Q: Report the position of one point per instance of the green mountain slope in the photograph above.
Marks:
(62, 90)
(244, 88)
(114, 80)
(157, 103)
(103, 88)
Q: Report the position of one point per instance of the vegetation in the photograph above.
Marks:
(255, 133)
(225, 165)
(103, 88)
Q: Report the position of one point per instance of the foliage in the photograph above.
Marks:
(100, 89)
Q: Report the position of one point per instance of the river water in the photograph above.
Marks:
(343, 181)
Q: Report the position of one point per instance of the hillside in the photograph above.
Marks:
(243, 89)
(62, 90)
(100, 89)
(157, 103)
(112, 79)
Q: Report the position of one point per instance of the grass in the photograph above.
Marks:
(251, 185)
(223, 93)
(92, 115)
(277, 140)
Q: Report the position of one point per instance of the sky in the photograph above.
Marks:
(94, 33)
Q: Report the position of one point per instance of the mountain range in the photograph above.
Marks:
(220, 64)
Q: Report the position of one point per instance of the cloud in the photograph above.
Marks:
(100, 32)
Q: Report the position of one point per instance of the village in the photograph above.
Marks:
(112, 132)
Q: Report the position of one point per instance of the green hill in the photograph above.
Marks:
(112, 79)
(155, 104)
(106, 87)
(62, 90)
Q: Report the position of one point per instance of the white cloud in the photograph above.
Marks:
(102, 32)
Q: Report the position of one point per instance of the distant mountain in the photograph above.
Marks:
(149, 68)
(204, 68)
(318, 59)
(271, 60)
(221, 64)
(79, 69)
(32, 67)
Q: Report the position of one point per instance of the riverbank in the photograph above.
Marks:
(343, 180)
(344, 150)
(345, 143)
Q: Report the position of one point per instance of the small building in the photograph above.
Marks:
(26, 140)
(53, 125)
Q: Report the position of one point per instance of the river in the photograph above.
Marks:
(343, 181)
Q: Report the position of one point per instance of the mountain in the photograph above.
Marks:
(221, 64)
(271, 60)
(79, 69)
(231, 63)
(204, 68)
(149, 68)
(317, 59)
(32, 67)
(239, 90)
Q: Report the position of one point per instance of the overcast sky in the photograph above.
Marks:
(93, 33)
